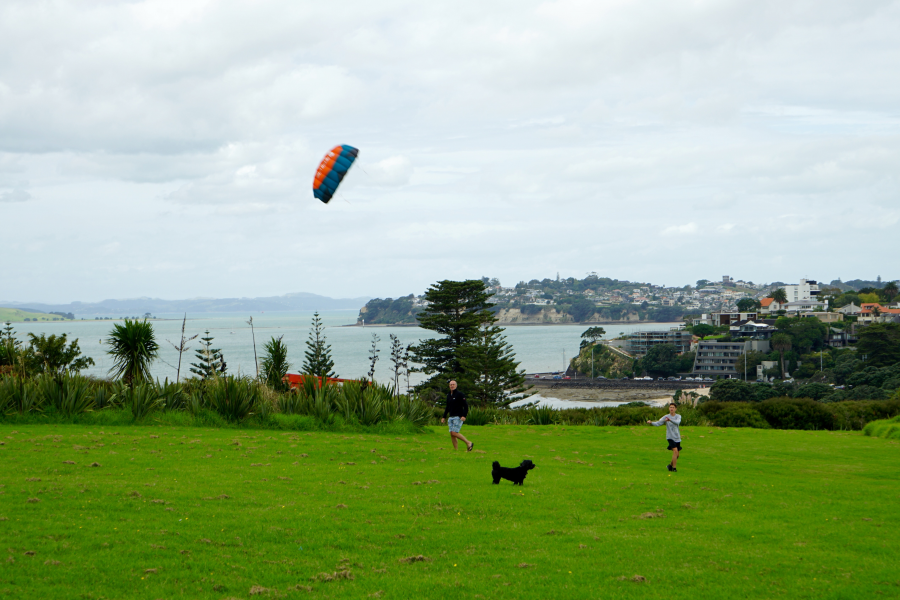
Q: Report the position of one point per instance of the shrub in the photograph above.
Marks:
(65, 394)
(171, 395)
(730, 390)
(795, 413)
(813, 391)
(140, 399)
(764, 391)
(415, 411)
(19, 395)
(289, 404)
(834, 396)
(233, 397)
(481, 416)
(740, 415)
(866, 392)
(855, 415)
(541, 415)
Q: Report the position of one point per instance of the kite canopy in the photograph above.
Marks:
(331, 171)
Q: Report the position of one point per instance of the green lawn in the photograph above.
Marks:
(14, 315)
(204, 513)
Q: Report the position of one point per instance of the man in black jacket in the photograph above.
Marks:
(457, 409)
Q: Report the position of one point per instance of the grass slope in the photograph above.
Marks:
(887, 428)
(14, 315)
(182, 513)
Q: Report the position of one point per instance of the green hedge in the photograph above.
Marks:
(799, 413)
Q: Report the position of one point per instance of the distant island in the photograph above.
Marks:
(596, 299)
(300, 301)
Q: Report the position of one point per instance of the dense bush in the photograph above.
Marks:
(814, 391)
(874, 376)
(730, 390)
(855, 415)
(735, 390)
(734, 415)
(799, 413)
(796, 413)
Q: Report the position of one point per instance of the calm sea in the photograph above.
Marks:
(537, 348)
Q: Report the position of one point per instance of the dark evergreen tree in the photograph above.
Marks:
(661, 360)
(456, 310)
(472, 349)
(318, 353)
(491, 372)
(880, 344)
(748, 304)
(10, 347)
(209, 360)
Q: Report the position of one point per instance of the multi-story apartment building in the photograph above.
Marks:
(641, 341)
(717, 359)
(807, 289)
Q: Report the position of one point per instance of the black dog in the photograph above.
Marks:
(514, 474)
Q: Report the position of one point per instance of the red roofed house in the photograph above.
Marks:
(867, 313)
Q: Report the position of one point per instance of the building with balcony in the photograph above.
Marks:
(717, 359)
(807, 289)
(639, 342)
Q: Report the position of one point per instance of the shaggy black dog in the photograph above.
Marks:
(514, 474)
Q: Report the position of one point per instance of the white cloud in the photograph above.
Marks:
(686, 229)
(496, 139)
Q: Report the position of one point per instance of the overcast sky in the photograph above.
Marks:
(167, 149)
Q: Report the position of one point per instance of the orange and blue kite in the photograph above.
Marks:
(332, 170)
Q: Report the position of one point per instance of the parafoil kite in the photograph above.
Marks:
(331, 171)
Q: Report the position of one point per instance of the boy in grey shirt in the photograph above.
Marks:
(673, 434)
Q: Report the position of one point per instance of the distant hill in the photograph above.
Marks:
(18, 315)
(858, 284)
(300, 301)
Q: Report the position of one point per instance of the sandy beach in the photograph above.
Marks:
(596, 398)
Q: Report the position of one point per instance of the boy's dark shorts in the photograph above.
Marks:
(673, 444)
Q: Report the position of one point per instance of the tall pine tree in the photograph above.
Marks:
(455, 311)
(491, 371)
(209, 359)
(318, 353)
(471, 349)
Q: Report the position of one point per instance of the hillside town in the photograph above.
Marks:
(752, 339)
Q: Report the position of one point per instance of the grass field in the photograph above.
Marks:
(14, 315)
(205, 513)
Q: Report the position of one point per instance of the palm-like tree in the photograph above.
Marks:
(779, 296)
(890, 290)
(275, 363)
(133, 348)
(781, 342)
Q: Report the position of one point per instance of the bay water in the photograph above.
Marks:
(538, 348)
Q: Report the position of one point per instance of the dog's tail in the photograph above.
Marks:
(496, 465)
